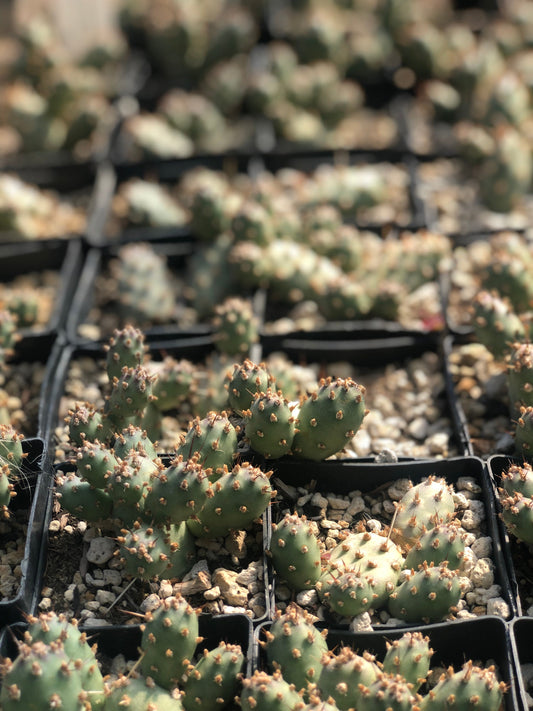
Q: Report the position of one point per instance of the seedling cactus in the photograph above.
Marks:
(430, 595)
(213, 681)
(270, 425)
(424, 505)
(495, 322)
(410, 657)
(213, 439)
(342, 673)
(125, 348)
(265, 692)
(295, 552)
(244, 383)
(467, 689)
(235, 327)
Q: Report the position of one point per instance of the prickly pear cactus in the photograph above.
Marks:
(11, 452)
(235, 326)
(6, 490)
(443, 543)
(178, 492)
(270, 425)
(523, 435)
(82, 499)
(213, 439)
(265, 692)
(238, 497)
(125, 348)
(174, 382)
(346, 592)
(329, 418)
(466, 690)
(496, 324)
(423, 506)
(145, 550)
(252, 222)
(84, 424)
(295, 552)
(138, 693)
(390, 692)
(516, 498)
(133, 439)
(429, 595)
(410, 657)
(213, 681)
(130, 394)
(244, 383)
(295, 646)
(95, 463)
(42, 677)
(169, 638)
(520, 375)
(342, 673)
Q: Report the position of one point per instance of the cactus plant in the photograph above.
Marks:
(429, 595)
(270, 426)
(295, 552)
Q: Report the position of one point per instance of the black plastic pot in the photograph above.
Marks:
(344, 476)
(484, 640)
(29, 505)
(521, 632)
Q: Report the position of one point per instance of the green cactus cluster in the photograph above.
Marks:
(11, 459)
(412, 569)
(302, 668)
(516, 498)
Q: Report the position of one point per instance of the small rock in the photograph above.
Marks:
(307, 598)
(212, 594)
(498, 606)
(151, 602)
(361, 623)
(101, 549)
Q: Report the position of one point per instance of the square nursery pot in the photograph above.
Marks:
(71, 574)
(125, 640)
(340, 494)
(45, 275)
(517, 554)
(520, 632)
(401, 367)
(485, 641)
(22, 533)
(100, 303)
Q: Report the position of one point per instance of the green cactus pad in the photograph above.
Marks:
(443, 543)
(82, 499)
(213, 439)
(213, 681)
(429, 595)
(295, 646)
(145, 550)
(95, 463)
(423, 506)
(84, 424)
(295, 552)
(137, 693)
(270, 425)
(133, 438)
(244, 383)
(169, 638)
(410, 657)
(125, 348)
(235, 326)
(342, 673)
(466, 690)
(388, 693)
(264, 692)
(329, 419)
(346, 592)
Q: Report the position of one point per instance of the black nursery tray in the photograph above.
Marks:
(345, 476)
(484, 641)
(28, 517)
(521, 632)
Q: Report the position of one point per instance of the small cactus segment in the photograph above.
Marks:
(169, 638)
(342, 673)
(523, 436)
(235, 327)
(373, 557)
(295, 552)
(8, 327)
(252, 223)
(182, 551)
(178, 492)
(213, 439)
(6, 490)
(84, 424)
(244, 383)
(95, 463)
(520, 375)
(517, 514)
(49, 628)
(213, 681)
(469, 689)
(270, 425)
(430, 595)
(146, 292)
(133, 439)
(424, 505)
(237, 498)
(295, 647)
(125, 349)
(174, 382)
(136, 693)
(42, 677)
(410, 657)
(346, 592)
(145, 551)
(495, 323)
(129, 396)
(329, 418)
(11, 452)
(505, 274)
(390, 692)
(265, 692)
(128, 482)
(82, 499)
(444, 543)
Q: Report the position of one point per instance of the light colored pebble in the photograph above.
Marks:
(482, 575)
(498, 606)
(361, 623)
(307, 597)
(101, 549)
